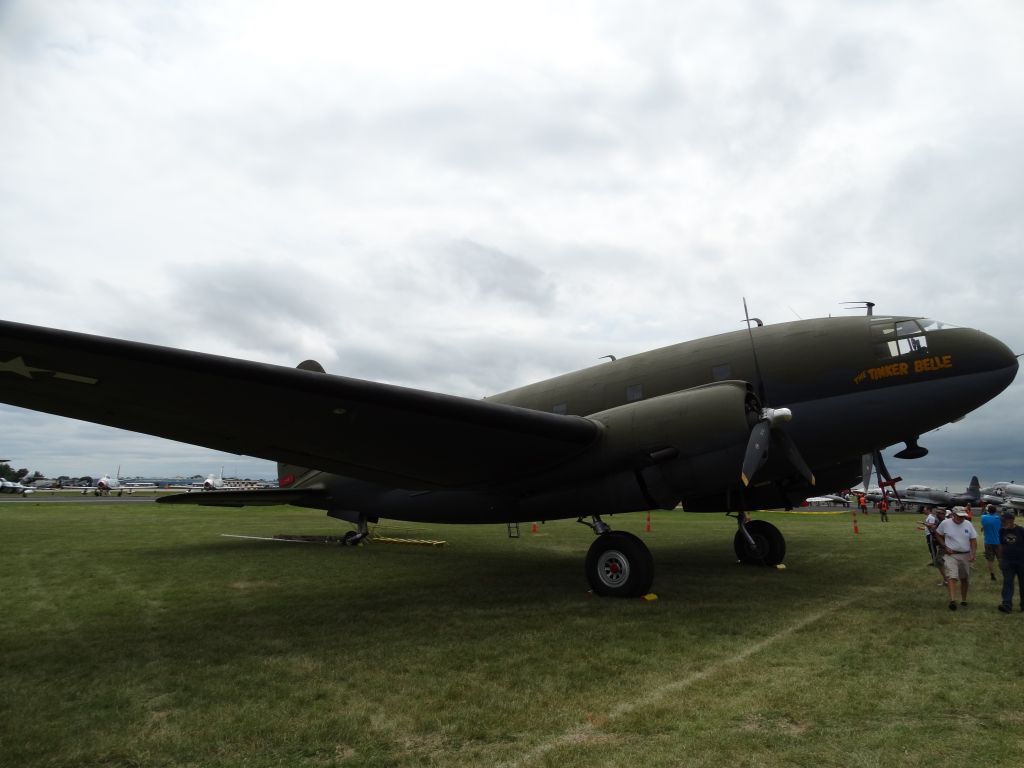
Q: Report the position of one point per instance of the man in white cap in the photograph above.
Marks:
(958, 539)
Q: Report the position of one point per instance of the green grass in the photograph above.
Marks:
(134, 635)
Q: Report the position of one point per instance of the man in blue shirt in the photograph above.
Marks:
(1011, 560)
(991, 524)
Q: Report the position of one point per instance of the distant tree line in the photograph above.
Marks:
(12, 475)
(23, 475)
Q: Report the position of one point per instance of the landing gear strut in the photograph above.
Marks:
(352, 538)
(757, 542)
(618, 564)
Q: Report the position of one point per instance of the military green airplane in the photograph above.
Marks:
(730, 423)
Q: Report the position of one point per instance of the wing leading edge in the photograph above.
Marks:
(381, 433)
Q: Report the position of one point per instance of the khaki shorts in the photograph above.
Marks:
(991, 551)
(957, 566)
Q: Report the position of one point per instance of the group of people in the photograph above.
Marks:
(953, 544)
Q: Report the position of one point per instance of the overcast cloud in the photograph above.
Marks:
(466, 197)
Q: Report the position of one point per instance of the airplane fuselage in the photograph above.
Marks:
(853, 384)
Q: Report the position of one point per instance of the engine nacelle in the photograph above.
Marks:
(655, 452)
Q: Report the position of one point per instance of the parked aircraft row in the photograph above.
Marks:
(725, 423)
(1006, 494)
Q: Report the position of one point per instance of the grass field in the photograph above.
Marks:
(133, 635)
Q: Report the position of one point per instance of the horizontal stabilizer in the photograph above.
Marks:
(265, 497)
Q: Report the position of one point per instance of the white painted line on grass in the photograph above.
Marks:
(586, 731)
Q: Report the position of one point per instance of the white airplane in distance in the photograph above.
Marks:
(828, 498)
(107, 485)
(1008, 494)
(6, 486)
(212, 483)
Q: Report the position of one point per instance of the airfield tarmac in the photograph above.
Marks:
(74, 498)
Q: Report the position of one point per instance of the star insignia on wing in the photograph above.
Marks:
(18, 366)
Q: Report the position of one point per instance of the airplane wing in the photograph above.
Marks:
(377, 432)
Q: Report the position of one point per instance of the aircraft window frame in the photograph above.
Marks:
(560, 408)
(883, 330)
(907, 328)
(928, 325)
(634, 393)
(898, 339)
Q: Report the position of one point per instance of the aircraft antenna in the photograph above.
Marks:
(613, 358)
(861, 304)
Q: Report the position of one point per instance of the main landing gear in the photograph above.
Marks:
(352, 538)
(757, 542)
(618, 564)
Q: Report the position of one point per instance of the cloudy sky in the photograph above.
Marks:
(467, 196)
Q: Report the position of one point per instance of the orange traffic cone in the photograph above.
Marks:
(855, 528)
(533, 527)
(647, 529)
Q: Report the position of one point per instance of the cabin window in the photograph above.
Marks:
(560, 409)
(634, 392)
(721, 372)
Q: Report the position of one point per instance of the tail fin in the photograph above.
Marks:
(289, 474)
(975, 485)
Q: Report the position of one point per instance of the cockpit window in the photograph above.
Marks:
(894, 339)
(907, 328)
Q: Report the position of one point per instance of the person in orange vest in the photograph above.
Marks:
(863, 504)
(883, 509)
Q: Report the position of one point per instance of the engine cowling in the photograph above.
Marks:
(654, 453)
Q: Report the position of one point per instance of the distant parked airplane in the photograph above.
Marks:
(107, 485)
(924, 496)
(1008, 494)
(7, 486)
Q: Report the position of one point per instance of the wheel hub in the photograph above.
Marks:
(612, 568)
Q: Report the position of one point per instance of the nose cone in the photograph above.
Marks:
(991, 355)
(969, 351)
(979, 366)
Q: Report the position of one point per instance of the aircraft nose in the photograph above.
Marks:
(997, 355)
(989, 355)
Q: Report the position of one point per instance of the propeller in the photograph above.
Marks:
(767, 433)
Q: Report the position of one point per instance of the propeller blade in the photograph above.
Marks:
(793, 454)
(757, 450)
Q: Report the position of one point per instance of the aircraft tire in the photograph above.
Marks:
(771, 544)
(619, 564)
(347, 538)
